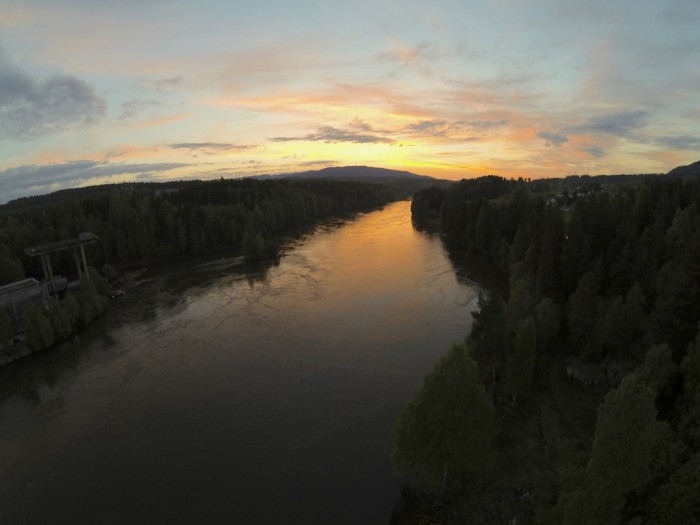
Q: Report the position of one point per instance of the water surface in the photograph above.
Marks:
(238, 396)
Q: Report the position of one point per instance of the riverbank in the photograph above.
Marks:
(232, 388)
(124, 282)
(134, 276)
(18, 351)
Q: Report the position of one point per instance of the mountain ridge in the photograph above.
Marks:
(355, 172)
(691, 170)
(404, 183)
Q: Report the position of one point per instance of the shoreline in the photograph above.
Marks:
(138, 275)
(20, 350)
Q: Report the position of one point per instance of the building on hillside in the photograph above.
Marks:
(44, 251)
(15, 297)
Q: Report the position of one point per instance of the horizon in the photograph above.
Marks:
(292, 173)
(95, 93)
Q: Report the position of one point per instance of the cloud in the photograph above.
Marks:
(460, 129)
(210, 147)
(167, 84)
(679, 142)
(553, 139)
(593, 150)
(30, 107)
(422, 57)
(333, 135)
(619, 124)
(432, 127)
(32, 179)
(271, 63)
(159, 88)
(131, 107)
(483, 125)
(426, 58)
(314, 163)
(360, 124)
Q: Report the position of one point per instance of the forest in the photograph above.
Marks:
(154, 223)
(575, 399)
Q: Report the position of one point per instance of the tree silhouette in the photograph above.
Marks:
(444, 435)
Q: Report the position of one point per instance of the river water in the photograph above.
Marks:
(230, 395)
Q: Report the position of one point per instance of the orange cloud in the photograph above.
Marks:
(158, 121)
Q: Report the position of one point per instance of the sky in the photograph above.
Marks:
(99, 91)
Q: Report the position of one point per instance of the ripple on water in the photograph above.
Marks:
(220, 395)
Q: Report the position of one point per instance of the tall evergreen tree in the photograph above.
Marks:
(625, 434)
(676, 501)
(37, 328)
(690, 416)
(548, 322)
(11, 268)
(583, 314)
(489, 333)
(444, 436)
(6, 330)
(521, 360)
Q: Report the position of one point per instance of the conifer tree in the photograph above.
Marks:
(521, 360)
(5, 330)
(37, 328)
(444, 435)
(625, 434)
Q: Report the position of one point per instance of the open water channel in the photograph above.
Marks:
(225, 395)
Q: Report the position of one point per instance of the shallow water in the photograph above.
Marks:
(238, 396)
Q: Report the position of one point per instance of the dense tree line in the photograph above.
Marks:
(152, 223)
(600, 317)
(62, 318)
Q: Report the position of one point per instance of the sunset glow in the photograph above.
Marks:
(99, 92)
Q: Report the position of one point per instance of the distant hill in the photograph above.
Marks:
(355, 172)
(404, 182)
(692, 170)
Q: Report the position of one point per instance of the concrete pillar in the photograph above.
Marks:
(82, 252)
(48, 263)
(43, 265)
(77, 262)
(45, 296)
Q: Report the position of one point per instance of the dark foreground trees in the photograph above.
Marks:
(155, 223)
(59, 319)
(620, 463)
(444, 437)
(6, 330)
(592, 358)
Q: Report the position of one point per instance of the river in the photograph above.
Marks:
(230, 395)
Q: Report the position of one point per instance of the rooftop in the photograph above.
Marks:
(18, 286)
(83, 238)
